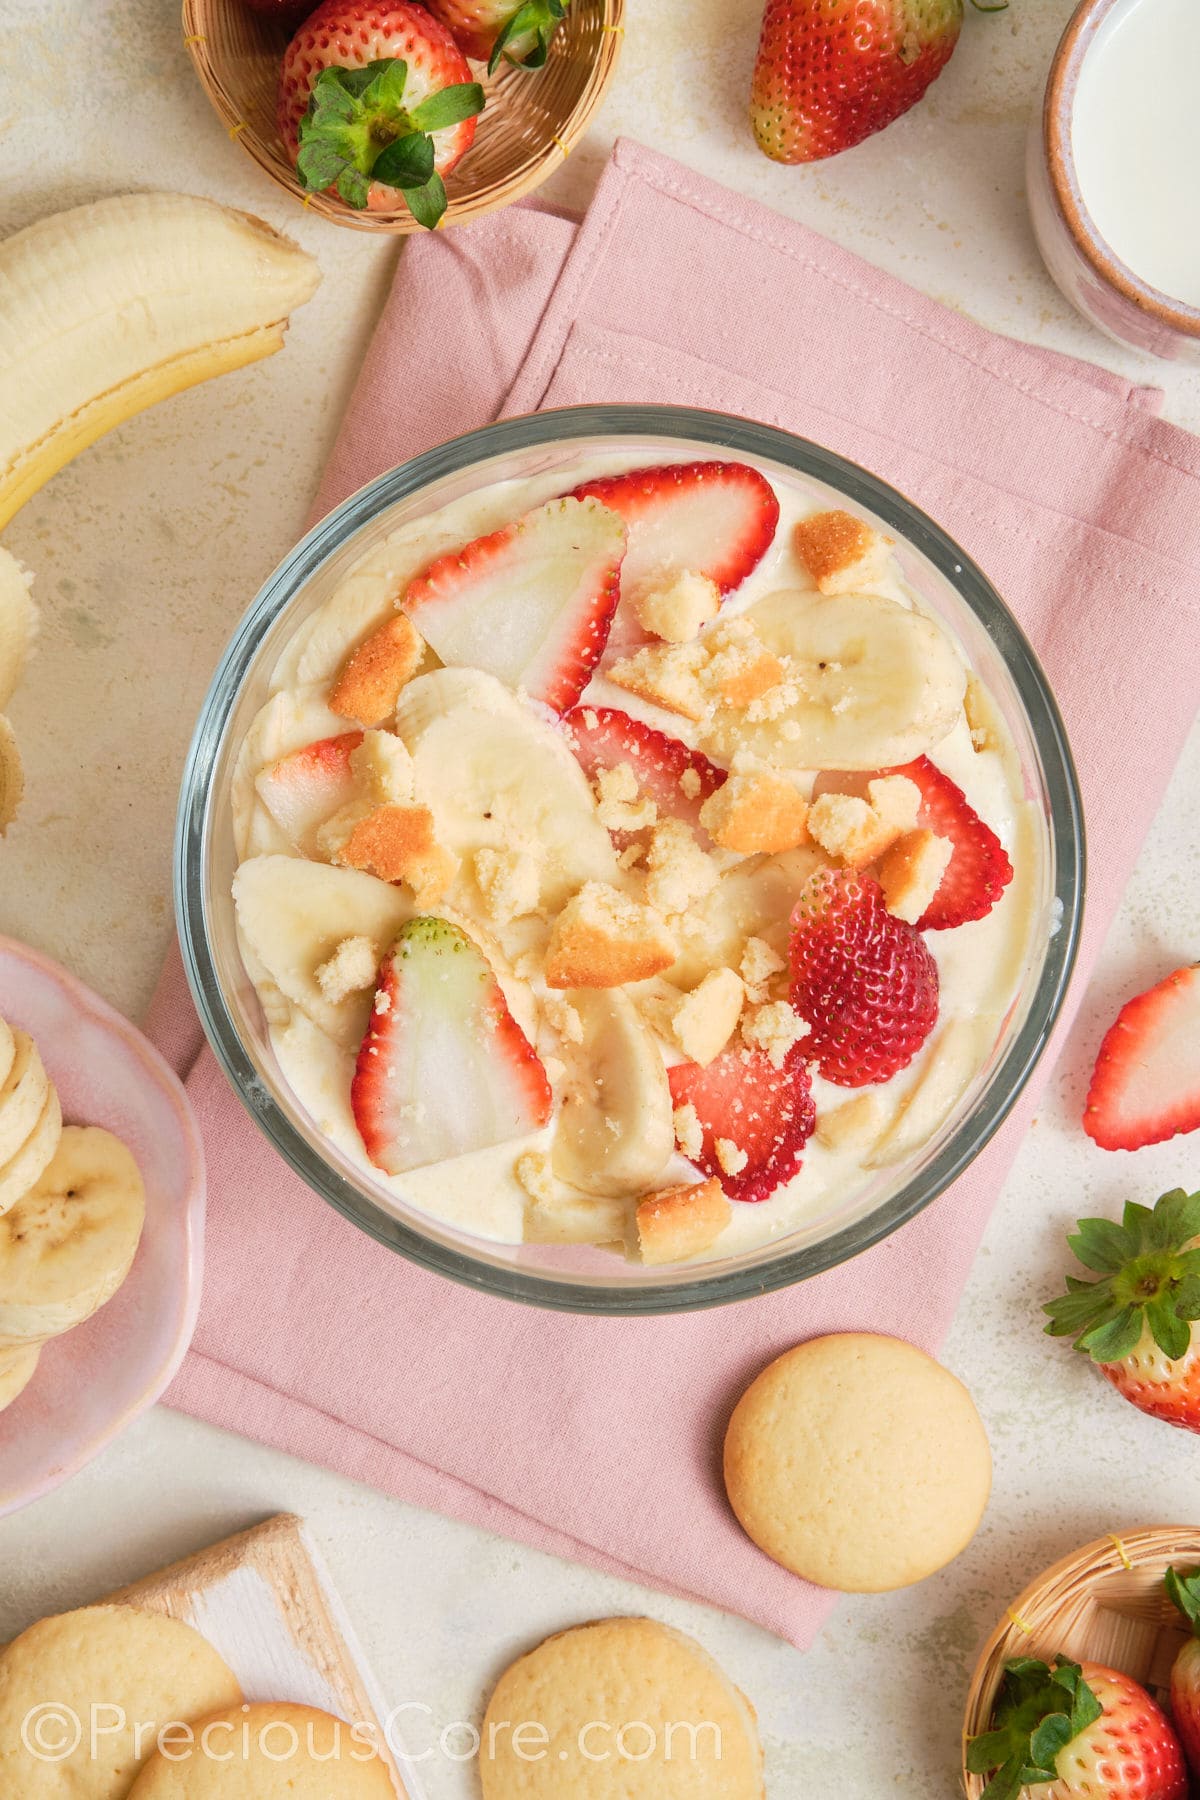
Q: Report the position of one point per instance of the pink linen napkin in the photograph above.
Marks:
(599, 1439)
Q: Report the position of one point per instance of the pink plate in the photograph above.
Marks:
(95, 1380)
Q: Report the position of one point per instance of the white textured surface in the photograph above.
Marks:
(148, 549)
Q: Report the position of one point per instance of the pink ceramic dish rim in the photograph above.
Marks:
(1058, 115)
(192, 1199)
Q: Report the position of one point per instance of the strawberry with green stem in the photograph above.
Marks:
(493, 31)
(1184, 1592)
(1070, 1731)
(376, 104)
(1135, 1322)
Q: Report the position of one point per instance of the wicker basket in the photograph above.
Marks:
(1104, 1603)
(532, 119)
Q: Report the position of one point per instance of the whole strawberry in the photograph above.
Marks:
(1184, 1591)
(832, 72)
(1136, 1320)
(491, 30)
(865, 981)
(1121, 1743)
(376, 102)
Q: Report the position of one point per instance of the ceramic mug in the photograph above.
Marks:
(1085, 267)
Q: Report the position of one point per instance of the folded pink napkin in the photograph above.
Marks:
(599, 1438)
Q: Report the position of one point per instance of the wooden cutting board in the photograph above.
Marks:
(265, 1603)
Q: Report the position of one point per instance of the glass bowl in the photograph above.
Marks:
(585, 1278)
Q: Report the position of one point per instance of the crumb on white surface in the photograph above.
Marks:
(353, 966)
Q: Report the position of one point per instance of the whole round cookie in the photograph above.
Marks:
(272, 1750)
(858, 1462)
(67, 1684)
(625, 1709)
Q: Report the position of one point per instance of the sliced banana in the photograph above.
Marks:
(754, 899)
(955, 1057)
(293, 915)
(18, 1175)
(16, 1372)
(494, 775)
(8, 1049)
(12, 776)
(68, 1245)
(22, 1097)
(871, 684)
(18, 623)
(615, 1131)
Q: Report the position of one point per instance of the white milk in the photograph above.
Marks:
(1136, 138)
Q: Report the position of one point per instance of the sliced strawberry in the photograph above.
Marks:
(865, 981)
(444, 1067)
(1146, 1083)
(979, 870)
(603, 737)
(308, 786)
(714, 518)
(765, 1114)
(532, 603)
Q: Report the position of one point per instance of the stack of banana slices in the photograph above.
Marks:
(72, 1207)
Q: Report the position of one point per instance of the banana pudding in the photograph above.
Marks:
(631, 858)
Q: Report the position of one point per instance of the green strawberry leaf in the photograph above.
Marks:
(1149, 1266)
(1101, 1245)
(354, 187)
(1184, 1592)
(449, 106)
(427, 203)
(1032, 1726)
(384, 93)
(1116, 1337)
(538, 20)
(408, 163)
(319, 165)
(1171, 1333)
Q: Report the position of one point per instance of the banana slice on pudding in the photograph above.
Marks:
(296, 916)
(615, 1131)
(20, 1172)
(497, 777)
(869, 684)
(67, 1246)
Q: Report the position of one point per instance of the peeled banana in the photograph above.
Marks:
(109, 307)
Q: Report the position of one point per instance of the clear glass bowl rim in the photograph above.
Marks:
(731, 435)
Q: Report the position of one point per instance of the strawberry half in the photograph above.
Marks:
(1184, 1592)
(1135, 1322)
(532, 603)
(376, 104)
(603, 737)
(308, 786)
(444, 1067)
(1121, 1743)
(1146, 1084)
(713, 518)
(830, 73)
(742, 1101)
(865, 981)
